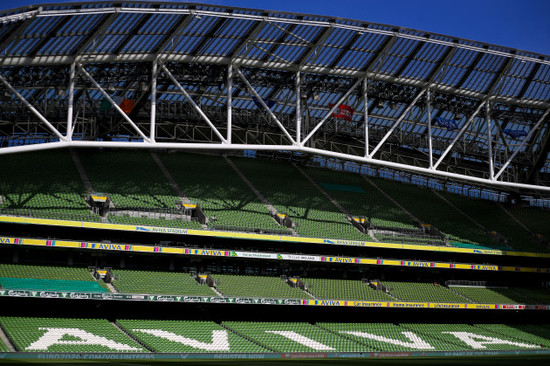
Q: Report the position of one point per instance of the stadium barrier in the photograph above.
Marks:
(268, 237)
(264, 255)
(260, 301)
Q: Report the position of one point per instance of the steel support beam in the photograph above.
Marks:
(298, 108)
(209, 146)
(243, 62)
(366, 116)
(153, 123)
(527, 138)
(261, 101)
(331, 111)
(459, 135)
(398, 122)
(489, 141)
(229, 102)
(193, 104)
(307, 150)
(32, 109)
(113, 103)
(429, 106)
(70, 106)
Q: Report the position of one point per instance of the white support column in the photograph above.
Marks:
(331, 111)
(429, 106)
(153, 124)
(32, 109)
(398, 122)
(527, 138)
(70, 108)
(261, 101)
(462, 130)
(192, 102)
(119, 110)
(366, 103)
(489, 141)
(229, 102)
(298, 108)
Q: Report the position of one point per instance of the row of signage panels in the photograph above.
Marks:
(254, 236)
(258, 356)
(260, 301)
(264, 255)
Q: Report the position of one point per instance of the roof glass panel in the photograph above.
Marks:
(355, 59)
(6, 28)
(538, 91)
(326, 55)
(41, 26)
(340, 37)
(417, 69)
(199, 25)
(22, 46)
(512, 86)
(123, 23)
(236, 28)
(142, 43)
(159, 23)
(289, 53)
(60, 45)
(271, 32)
(183, 44)
(219, 46)
(79, 24)
(308, 33)
(106, 43)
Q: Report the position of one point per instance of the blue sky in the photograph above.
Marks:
(521, 24)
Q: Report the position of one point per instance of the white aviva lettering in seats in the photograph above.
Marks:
(54, 336)
(219, 339)
(477, 341)
(415, 341)
(298, 338)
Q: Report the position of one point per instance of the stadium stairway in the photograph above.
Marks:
(252, 340)
(82, 172)
(541, 238)
(181, 194)
(258, 194)
(323, 192)
(494, 234)
(413, 218)
(6, 340)
(461, 295)
(336, 204)
(131, 336)
(340, 335)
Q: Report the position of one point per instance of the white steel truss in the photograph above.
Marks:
(295, 134)
(296, 144)
(192, 102)
(83, 71)
(32, 109)
(459, 135)
(331, 111)
(398, 122)
(267, 109)
(518, 149)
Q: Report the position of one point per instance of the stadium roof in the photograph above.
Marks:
(403, 70)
